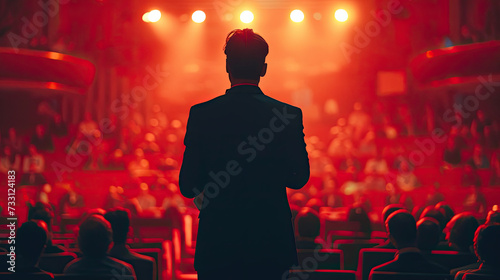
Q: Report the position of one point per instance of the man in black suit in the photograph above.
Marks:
(402, 230)
(243, 149)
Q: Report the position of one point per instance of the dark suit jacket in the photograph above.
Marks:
(242, 150)
(410, 261)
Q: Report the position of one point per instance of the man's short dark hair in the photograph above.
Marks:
(402, 227)
(389, 209)
(428, 233)
(41, 211)
(463, 226)
(119, 218)
(95, 236)
(246, 53)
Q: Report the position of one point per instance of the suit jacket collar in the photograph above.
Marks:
(247, 89)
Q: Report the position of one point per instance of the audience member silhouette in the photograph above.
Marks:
(42, 139)
(307, 225)
(428, 234)
(144, 266)
(461, 232)
(94, 240)
(44, 212)
(244, 210)
(402, 230)
(446, 210)
(386, 212)
(9, 161)
(30, 243)
(493, 217)
(33, 166)
(487, 248)
(358, 214)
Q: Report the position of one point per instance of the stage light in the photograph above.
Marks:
(246, 16)
(341, 15)
(145, 17)
(199, 16)
(154, 16)
(297, 16)
(317, 16)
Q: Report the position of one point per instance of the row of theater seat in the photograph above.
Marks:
(55, 263)
(333, 259)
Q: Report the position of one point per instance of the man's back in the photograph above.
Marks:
(144, 266)
(98, 266)
(243, 149)
(410, 260)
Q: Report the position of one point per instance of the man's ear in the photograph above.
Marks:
(227, 67)
(264, 70)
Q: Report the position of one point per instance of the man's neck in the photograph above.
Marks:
(235, 82)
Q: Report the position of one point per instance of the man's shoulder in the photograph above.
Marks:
(120, 264)
(214, 102)
(388, 266)
(133, 256)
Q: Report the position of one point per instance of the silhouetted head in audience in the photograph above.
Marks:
(31, 239)
(432, 212)
(95, 236)
(246, 54)
(358, 214)
(389, 209)
(487, 244)
(446, 210)
(493, 217)
(42, 211)
(428, 234)
(461, 231)
(119, 218)
(307, 223)
(402, 229)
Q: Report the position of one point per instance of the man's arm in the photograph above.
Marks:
(298, 158)
(189, 184)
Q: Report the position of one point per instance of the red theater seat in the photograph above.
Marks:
(351, 248)
(370, 258)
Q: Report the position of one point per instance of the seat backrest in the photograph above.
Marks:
(452, 259)
(384, 275)
(351, 252)
(321, 275)
(320, 259)
(144, 270)
(55, 263)
(476, 276)
(371, 257)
